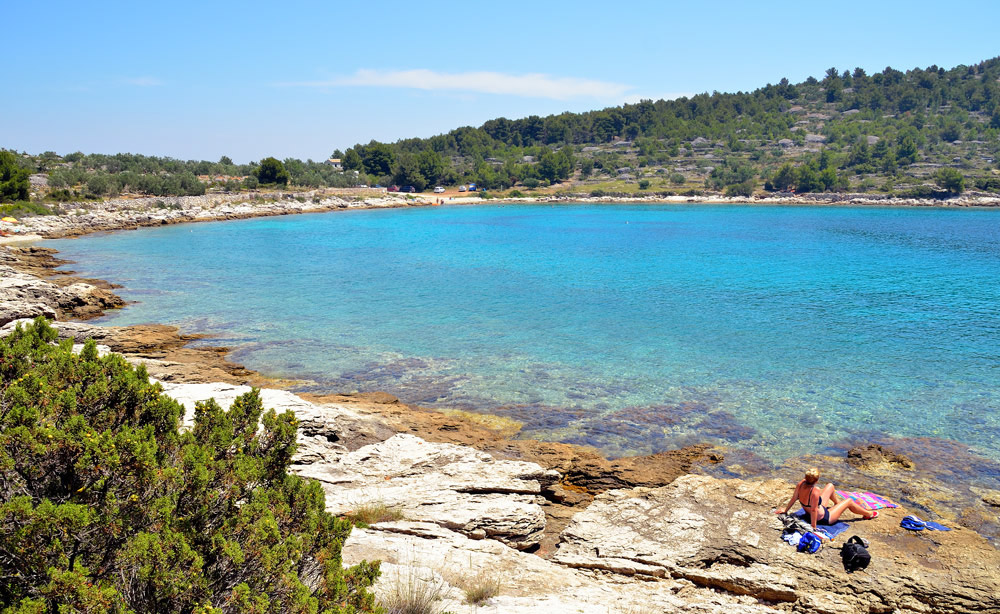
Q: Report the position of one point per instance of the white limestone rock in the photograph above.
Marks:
(453, 486)
(722, 535)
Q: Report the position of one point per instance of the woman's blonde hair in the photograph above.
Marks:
(812, 475)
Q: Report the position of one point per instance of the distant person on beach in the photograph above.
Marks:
(819, 504)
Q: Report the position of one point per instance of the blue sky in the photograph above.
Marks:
(198, 80)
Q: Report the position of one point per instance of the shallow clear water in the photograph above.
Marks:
(632, 328)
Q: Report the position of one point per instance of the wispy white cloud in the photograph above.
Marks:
(144, 81)
(534, 85)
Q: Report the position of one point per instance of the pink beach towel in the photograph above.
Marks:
(867, 500)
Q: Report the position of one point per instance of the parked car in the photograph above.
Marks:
(462, 188)
(472, 187)
(407, 188)
(438, 190)
(392, 188)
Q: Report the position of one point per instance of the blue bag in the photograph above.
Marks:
(810, 543)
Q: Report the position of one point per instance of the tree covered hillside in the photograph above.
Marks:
(930, 132)
(849, 130)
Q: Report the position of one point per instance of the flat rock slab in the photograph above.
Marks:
(453, 486)
(443, 562)
(722, 534)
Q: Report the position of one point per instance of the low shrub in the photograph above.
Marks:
(108, 506)
(989, 184)
(744, 189)
(924, 191)
(24, 208)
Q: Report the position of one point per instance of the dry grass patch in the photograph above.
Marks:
(372, 512)
(479, 585)
(415, 590)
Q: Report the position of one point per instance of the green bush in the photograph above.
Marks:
(924, 191)
(107, 506)
(990, 184)
(744, 189)
(14, 182)
(644, 184)
(950, 179)
(25, 209)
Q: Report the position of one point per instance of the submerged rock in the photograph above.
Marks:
(874, 456)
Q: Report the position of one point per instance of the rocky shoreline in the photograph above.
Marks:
(78, 218)
(567, 529)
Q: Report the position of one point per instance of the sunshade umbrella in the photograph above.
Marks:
(8, 219)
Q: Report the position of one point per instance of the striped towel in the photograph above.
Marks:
(867, 500)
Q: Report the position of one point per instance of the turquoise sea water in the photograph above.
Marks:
(780, 330)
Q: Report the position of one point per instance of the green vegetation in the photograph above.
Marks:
(271, 171)
(951, 180)
(847, 131)
(889, 132)
(79, 177)
(24, 209)
(14, 184)
(106, 506)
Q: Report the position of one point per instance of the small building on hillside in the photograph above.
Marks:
(335, 163)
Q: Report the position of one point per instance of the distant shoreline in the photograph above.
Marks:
(80, 218)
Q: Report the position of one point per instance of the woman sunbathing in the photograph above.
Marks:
(819, 504)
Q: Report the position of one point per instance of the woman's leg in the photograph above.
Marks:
(827, 495)
(847, 504)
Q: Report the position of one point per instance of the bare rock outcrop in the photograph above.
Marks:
(722, 534)
(456, 487)
(25, 295)
(425, 554)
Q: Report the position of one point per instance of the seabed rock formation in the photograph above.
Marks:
(557, 527)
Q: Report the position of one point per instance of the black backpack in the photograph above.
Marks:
(855, 554)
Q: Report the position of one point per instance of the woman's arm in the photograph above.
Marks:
(795, 494)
